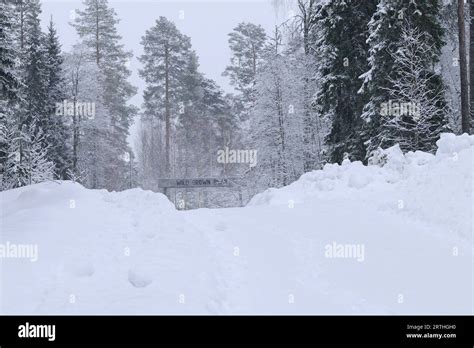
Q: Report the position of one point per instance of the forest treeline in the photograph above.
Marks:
(333, 80)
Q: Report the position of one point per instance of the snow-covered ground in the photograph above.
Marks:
(400, 237)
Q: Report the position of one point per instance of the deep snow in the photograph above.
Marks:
(132, 252)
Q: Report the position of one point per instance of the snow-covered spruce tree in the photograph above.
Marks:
(385, 30)
(343, 53)
(27, 162)
(27, 158)
(34, 73)
(41, 89)
(56, 131)
(8, 52)
(246, 43)
(96, 25)
(19, 15)
(9, 146)
(9, 81)
(416, 113)
(11, 173)
(35, 156)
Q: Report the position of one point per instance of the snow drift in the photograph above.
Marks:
(391, 237)
(436, 189)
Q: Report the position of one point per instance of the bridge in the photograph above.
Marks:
(193, 183)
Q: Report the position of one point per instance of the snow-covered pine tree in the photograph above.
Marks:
(166, 59)
(187, 118)
(418, 114)
(96, 25)
(342, 49)
(246, 43)
(385, 29)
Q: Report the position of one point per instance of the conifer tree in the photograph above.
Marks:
(385, 30)
(166, 67)
(56, 130)
(246, 43)
(343, 51)
(97, 27)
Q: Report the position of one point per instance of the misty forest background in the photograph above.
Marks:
(308, 93)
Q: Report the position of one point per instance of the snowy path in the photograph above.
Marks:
(282, 268)
(134, 257)
(132, 252)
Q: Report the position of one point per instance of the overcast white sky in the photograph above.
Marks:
(208, 23)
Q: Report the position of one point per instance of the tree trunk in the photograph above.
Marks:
(167, 116)
(463, 69)
(471, 60)
(75, 121)
(22, 25)
(306, 9)
(75, 142)
(97, 33)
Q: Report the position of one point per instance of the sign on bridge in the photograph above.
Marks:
(195, 183)
(181, 186)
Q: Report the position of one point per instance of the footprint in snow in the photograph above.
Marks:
(138, 279)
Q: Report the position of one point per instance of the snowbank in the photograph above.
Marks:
(436, 188)
(99, 252)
